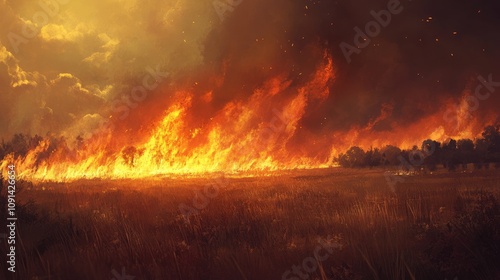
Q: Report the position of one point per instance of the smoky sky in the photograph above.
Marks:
(431, 51)
(86, 57)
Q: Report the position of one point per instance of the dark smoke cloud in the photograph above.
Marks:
(404, 67)
(429, 54)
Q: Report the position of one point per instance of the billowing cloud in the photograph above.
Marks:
(66, 65)
(32, 102)
(63, 62)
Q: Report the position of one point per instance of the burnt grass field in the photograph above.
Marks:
(435, 226)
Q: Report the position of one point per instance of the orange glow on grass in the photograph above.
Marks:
(244, 137)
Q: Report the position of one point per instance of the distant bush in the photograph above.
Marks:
(354, 157)
(450, 154)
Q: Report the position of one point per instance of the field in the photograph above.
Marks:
(317, 224)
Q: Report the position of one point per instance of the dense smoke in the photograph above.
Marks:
(80, 67)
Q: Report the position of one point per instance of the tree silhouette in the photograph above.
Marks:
(128, 155)
(480, 153)
(465, 149)
(390, 155)
(432, 152)
(372, 158)
(354, 157)
(449, 154)
(491, 136)
(20, 144)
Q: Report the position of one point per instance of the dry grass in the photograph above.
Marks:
(433, 227)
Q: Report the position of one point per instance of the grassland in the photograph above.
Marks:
(439, 226)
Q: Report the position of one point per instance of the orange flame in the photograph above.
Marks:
(260, 134)
(242, 137)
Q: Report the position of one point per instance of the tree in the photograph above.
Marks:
(35, 141)
(354, 157)
(465, 145)
(465, 148)
(20, 144)
(128, 155)
(432, 152)
(491, 136)
(372, 157)
(480, 152)
(390, 155)
(449, 153)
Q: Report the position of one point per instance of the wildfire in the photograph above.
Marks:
(247, 136)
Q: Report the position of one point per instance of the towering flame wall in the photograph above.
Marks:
(183, 89)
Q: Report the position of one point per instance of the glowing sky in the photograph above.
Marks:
(65, 65)
(84, 54)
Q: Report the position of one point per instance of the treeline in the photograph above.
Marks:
(431, 154)
(20, 144)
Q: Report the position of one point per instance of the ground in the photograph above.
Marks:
(304, 224)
